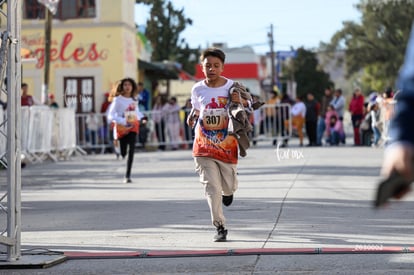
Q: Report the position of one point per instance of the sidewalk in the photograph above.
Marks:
(298, 209)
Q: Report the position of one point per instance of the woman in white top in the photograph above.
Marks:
(171, 112)
(124, 114)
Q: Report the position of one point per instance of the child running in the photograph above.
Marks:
(124, 114)
(215, 152)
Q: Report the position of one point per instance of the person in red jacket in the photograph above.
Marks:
(356, 107)
(26, 99)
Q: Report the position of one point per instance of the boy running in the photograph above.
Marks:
(214, 150)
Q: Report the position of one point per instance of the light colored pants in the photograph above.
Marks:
(173, 131)
(299, 121)
(218, 178)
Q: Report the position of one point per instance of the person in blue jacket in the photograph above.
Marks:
(400, 151)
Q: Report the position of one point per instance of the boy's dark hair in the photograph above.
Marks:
(216, 52)
(24, 85)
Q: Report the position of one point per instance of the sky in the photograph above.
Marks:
(238, 23)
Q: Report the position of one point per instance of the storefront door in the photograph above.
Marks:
(80, 94)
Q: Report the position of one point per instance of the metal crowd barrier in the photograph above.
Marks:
(58, 133)
(39, 136)
(94, 136)
(45, 134)
(272, 123)
(64, 135)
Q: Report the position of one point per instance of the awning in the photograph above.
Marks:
(159, 70)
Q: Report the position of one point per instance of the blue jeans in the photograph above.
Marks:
(377, 135)
(320, 129)
(334, 138)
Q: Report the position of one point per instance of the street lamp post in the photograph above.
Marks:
(272, 57)
(48, 35)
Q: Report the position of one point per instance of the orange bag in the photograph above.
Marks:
(123, 130)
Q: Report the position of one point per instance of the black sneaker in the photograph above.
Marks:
(221, 235)
(127, 180)
(227, 200)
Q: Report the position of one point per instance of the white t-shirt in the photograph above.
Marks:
(211, 135)
(120, 107)
(299, 108)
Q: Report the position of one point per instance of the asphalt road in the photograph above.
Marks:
(298, 210)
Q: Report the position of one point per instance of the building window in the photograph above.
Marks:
(86, 8)
(67, 9)
(79, 93)
(33, 10)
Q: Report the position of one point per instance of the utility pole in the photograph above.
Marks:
(48, 35)
(272, 57)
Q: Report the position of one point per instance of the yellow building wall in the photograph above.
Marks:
(181, 89)
(104, 48)
(117, 11)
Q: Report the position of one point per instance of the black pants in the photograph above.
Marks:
(160, 132)
(311, 131)
(127, 145)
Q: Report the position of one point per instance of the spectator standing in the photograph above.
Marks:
(188, 131)
(311, 118)
(283, 116)
(104, 129)
(106, 103)
(270, 118)
(326, 99)
(143, 132)
(92, 127)
(26, 99)
(159, 123)
(171, 112)
(387, 106)
(298, 112)
(376, 123)
(365, 127)
(338, 103)
(52, 101)
(258, 121)
(143, 97)
(124, 113)
(215, 152)
(356, 107)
